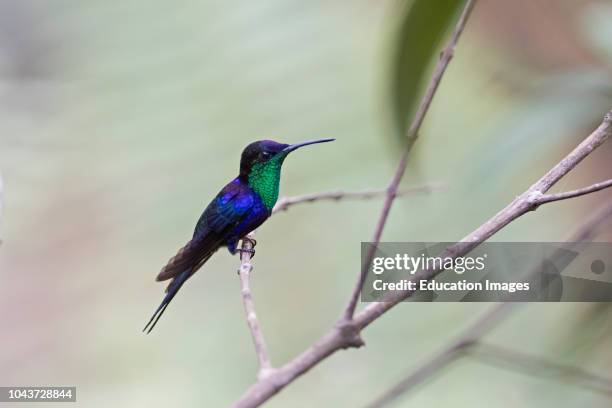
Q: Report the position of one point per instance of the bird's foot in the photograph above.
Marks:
(252, 241)
(251, 250)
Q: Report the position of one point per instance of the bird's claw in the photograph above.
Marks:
(248, 251)
(251, 250)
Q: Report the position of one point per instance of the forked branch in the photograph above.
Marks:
(347, 332)
(547, 198)
(413, 133)
(348, 335)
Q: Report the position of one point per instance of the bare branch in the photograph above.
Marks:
(490, 319)
(284, 203)
(413, 131)
(484, 324)
(348, 335)
(524, 203)
(547, 198)
(246, 267)
(538, 366)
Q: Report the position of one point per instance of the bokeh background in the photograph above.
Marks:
(120, 120)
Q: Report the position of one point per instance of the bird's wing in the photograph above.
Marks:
(217, 221)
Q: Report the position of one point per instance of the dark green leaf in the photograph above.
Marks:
(421, 29)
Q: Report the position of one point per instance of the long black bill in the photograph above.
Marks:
(292, 147)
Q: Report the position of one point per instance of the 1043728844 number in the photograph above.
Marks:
(15, 394)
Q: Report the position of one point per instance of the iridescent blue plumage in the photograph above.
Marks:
(240, 207)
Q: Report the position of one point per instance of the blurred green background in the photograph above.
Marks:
(120, 120)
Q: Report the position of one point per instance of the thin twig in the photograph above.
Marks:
(547, 198)
(284, 203)
(413, 131)
(346, 336)
(490, 319)
(246, 267)
(447, 355)
(538, 366)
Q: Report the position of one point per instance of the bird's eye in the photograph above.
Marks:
(266, 154)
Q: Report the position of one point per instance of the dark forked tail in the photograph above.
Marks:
(180, 268)
(172, 290)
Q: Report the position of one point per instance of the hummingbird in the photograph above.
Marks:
(239, 208)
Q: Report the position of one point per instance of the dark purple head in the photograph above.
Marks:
(263, 151)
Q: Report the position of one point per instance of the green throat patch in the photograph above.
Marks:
(264, 179)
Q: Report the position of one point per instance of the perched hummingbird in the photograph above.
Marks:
(240, 207)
